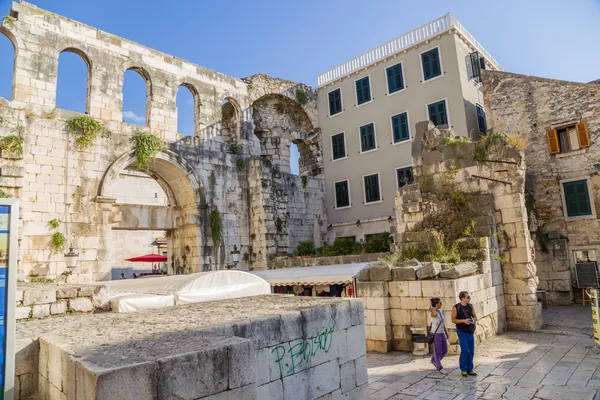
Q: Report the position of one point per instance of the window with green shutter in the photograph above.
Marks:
(372, 188)
(404, 176)
(400, 127)
(342, 194)
(437, 113)
(431, 64)
(367, 137)
(395, 79)
(577, 198)
(363, 90)
(338, 146)
(335, 102)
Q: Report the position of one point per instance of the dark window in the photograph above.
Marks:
(372, 188)
(405, 176)
(577, 198)
(475, 63)
(342, 195)
(431, 64)
(367, 137)
(481, 122)
(437, 113)
(335, 102)
(363, 90)
(394, 78)
(338, 146)
(400, 127)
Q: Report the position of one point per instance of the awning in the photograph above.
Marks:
(148, 258)
(309, 276)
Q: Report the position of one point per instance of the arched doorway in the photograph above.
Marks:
(280, 123)
(176, 209)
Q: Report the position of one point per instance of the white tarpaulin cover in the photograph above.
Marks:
(323, 275)
(156, 292)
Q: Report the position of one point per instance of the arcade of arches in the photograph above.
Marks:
(225, 190)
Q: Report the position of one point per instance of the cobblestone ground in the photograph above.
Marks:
(557, 363)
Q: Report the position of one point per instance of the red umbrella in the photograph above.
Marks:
(148, 258)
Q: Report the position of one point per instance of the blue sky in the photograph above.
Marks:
(297, 40)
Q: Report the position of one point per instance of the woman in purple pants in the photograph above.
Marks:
(438, 328)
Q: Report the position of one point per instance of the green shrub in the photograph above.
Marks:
(379, 243)
(342, 247)
(306, 248)
(301, 96)
(216, 227)
(455, 142)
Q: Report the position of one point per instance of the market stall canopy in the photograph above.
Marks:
(162, 291)
(309, 276)
(148, 258)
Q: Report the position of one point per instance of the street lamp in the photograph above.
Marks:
(235, 255)
(71, 259)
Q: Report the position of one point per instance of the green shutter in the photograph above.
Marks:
(391, 80)
(577, 198)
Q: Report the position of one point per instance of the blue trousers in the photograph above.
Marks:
(467, 350)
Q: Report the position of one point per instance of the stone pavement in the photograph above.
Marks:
(558, 362)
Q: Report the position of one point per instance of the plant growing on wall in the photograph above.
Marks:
(279, 224)
(12, 144)
(216, 226)
(58, 242)
(4, 195)
(147, 145)
(304, 181)
(301, 96)
(305, 248)
(87, 130)
(235, 148)
(239, 163)
(54, 223)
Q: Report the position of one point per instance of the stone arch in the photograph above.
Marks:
(11, 38)
(186, 211)
(149, 91)
(280, 121)
(86, 59)
(197, 104)
(231, 119)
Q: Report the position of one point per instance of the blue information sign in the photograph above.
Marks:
(4, 235)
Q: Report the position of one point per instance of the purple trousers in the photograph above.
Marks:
(440, 349)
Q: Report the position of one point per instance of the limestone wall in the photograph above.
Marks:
(531, 106)
(457, 182)
(200, 175)
(264, 347)
(296, 262)
(395, 301)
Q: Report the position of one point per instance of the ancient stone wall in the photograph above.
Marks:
(533, 106)
(201, 175)
(262, 347)
(455, 180)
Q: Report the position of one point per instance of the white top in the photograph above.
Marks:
(437, 323)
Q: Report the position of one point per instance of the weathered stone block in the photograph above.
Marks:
(193, 375)
(60, 307)
(86, 291)
(270, 391)
(377, 303)
(41, 310)
(371, 289)
(348, 376)
(404, 274)
(312, 383)
(66, 292)
(242, 364)
(364, 275)
(380, 273)
(355, 342)
(398, 288)
(22, 312)
(460, 270)
(81, 304)
(39, 295)
(415, 289)
(429, 270)
(134, 381)
(400, 317)
(356, 311)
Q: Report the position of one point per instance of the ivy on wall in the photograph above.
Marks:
(86, 130)
(216, 227)
(147, 145)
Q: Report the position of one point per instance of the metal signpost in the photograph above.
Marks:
(9, 222)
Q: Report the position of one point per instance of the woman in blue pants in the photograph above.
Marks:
(463, 315)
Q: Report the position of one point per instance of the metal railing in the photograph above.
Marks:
(412, 38)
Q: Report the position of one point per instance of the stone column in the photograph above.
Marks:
(378, 323)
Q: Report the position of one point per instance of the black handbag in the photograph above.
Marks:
(431, 336)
